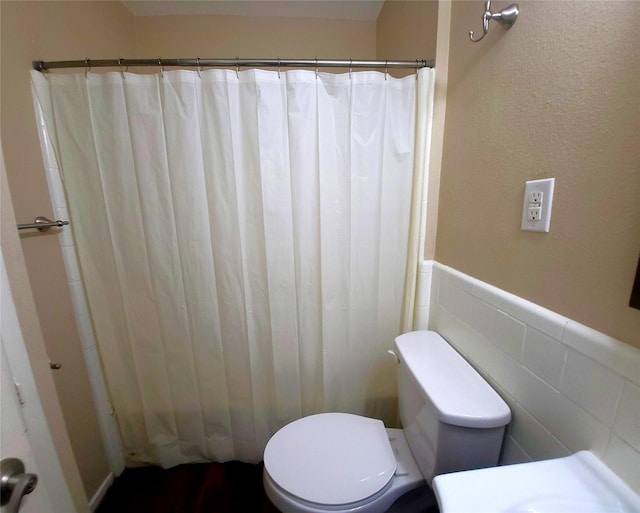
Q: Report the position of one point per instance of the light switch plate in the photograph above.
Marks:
(536, 210)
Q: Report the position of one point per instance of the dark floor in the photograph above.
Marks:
(231, 487)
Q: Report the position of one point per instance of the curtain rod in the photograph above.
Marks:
(232, 63)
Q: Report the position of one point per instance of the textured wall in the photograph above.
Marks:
(406, 30)
(240, 36)
(555, 96)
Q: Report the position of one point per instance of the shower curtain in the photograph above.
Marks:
(243, 240)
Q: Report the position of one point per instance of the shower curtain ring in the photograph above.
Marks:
(417, 67)
(199, 67)
(316, 68)
(386, 68)
(350, 67)
(161, 66)
(237, 68)
(278, 67)
(120, 65)
(87, 67)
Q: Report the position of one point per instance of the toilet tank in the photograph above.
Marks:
(452, 418)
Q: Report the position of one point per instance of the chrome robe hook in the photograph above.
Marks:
(506, 17)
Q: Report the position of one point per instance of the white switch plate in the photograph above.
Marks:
(536, 210)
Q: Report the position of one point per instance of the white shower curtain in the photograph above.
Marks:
(243, 239)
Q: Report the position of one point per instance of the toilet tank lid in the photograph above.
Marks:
(460, 395)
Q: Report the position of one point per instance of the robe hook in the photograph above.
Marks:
(506, 17)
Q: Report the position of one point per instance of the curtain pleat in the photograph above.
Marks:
(243, 239)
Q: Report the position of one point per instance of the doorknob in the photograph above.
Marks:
(14, 484)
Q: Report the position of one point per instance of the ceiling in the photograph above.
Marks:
(363, 10)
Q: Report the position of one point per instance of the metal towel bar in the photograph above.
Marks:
(42, 224)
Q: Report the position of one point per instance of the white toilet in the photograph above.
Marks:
(337, 462)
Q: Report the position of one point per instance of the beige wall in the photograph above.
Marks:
(52, 31)
(406, 30)
(555, 96)
(238, 36)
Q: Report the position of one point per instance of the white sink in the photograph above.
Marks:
(579, 483)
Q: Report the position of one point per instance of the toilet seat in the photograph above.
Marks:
(331, 459)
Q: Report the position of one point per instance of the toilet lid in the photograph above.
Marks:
(331, 458)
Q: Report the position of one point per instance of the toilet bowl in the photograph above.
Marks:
(339, 462)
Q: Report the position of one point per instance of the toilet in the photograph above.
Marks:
(338, 462)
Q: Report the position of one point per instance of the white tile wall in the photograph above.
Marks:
(569, 387)
(424, 295)
(544, 356)
(627, 425)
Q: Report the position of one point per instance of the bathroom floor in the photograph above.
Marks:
(231, 487)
